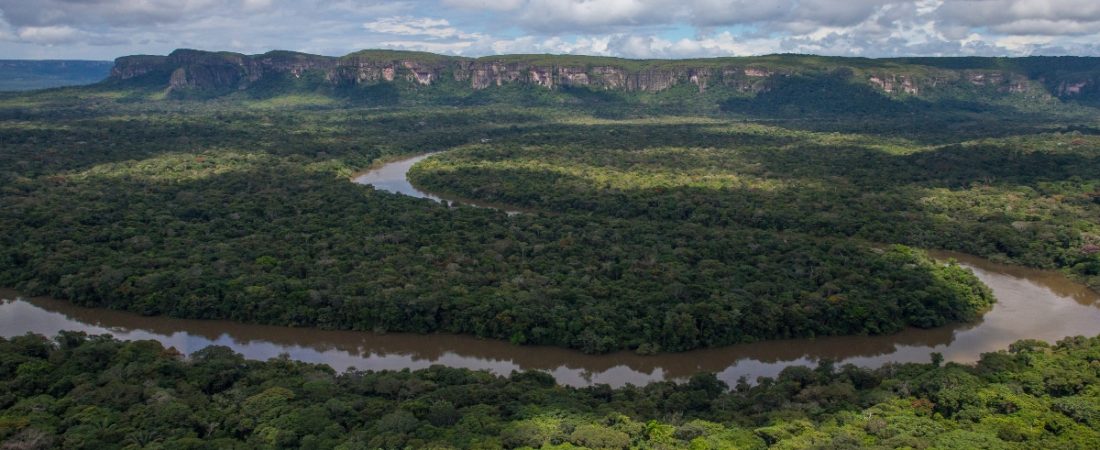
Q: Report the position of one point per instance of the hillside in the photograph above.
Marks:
(22, 75)
(393, 77)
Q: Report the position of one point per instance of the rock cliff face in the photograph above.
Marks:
(226, 72)
(184, 69)
(893, 84)
(134, 66)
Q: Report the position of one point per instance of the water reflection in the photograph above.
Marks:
(1031, 304)
(391, 177)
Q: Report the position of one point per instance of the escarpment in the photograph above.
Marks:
(222, 72)
(207, 70)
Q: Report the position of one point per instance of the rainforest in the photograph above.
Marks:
(594, 204)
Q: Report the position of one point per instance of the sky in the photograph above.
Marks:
(106, 29)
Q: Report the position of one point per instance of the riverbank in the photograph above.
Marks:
(1032, 304)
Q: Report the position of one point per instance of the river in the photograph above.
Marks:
(392, 176)
(1031, 304)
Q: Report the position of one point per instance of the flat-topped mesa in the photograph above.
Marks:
(232, 71)
(489, 72)
(128, 67)
(482, 74)
(226, 72)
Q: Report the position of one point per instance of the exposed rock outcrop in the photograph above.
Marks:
(894, 84)
(226, 72)
(1071, 88)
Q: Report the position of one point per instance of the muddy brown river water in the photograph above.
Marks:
(1031, 304)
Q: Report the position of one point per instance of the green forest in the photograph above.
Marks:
(1031, 199)
(792, 197)
(248, 215)
(77, 391)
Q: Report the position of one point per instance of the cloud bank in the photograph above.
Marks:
(100, 29)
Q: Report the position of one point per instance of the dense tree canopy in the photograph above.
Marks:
(212, 211)
(797, 210)
(78, 391)
(1031, 199)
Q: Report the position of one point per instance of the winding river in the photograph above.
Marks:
(392, 176)
(1032, 304)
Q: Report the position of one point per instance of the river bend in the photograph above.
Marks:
(1031, 304)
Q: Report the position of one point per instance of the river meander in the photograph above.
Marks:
(392, 176)
(1031, 304)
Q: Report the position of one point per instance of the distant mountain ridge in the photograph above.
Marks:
(22, 75)
(187, 73)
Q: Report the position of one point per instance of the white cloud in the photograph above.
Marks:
(428, 46)
(49, 35)
(1047, 27)
(631, 28)
(492, 5)
(588, 45)
(256, 5)
(721, 44)
(1021, 44)
(1023, 16)
(417, 26)
(57, 35)
(103, 12)
(587, 15)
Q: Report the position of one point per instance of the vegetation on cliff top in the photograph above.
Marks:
(695, 85)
